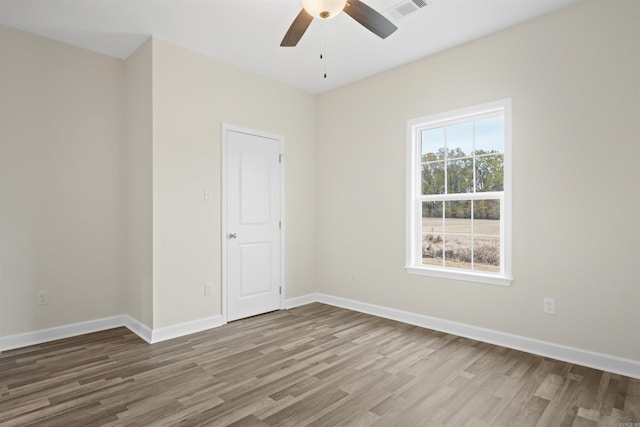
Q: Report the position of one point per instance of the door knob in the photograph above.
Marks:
(233, 235)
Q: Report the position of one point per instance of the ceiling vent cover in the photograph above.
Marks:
(405, 7)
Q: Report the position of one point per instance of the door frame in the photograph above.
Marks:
(223, 210)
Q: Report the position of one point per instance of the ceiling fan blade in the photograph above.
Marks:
(369, 18)
(297, 29)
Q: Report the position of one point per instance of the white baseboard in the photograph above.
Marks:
(187, 328)
(604, 362)
(298, 301)
(140, 329)
(51, 334)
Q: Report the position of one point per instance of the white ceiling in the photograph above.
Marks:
(247, 33)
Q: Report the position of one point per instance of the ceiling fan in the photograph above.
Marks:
(325, 9)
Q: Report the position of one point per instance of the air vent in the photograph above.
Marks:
(405, 7)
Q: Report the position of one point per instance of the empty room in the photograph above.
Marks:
(319, 212)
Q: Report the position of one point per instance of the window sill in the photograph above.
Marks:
(489, 279)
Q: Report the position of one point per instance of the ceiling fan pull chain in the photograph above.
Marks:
(324, 63)
(323, 56)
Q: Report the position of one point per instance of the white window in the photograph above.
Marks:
(459, 194)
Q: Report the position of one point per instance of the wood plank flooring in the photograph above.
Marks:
(315, 365)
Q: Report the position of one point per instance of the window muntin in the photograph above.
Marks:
(458, 201)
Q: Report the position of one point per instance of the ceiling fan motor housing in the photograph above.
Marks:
(323, 9)
(365, 15)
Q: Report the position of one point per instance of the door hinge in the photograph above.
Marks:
(280, 290)
(280, 225)
(280, 158)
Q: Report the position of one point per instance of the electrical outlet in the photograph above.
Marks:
(42, 297)
(353, 277)
(549, 306)
(208, 288)
(208, 196)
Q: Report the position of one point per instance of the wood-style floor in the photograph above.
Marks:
(313, 365)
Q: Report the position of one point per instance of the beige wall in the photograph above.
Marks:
(573, 80)
(192, 96)
(61, 183)
(139, 145)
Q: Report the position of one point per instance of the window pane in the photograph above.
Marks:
(486, 253)
(432, 249)
(433, 178)
(458, 217)
(457, 252)
(488, 227)
(460, 140)
(490, 173)
(489, 135)
(432, 221)
(486, 215)
(432, 144)
(460, 176)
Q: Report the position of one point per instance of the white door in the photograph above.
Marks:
(253, 223)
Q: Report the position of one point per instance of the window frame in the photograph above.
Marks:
(413, 262)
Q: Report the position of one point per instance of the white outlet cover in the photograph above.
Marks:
(42, 297)
(549, 305)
